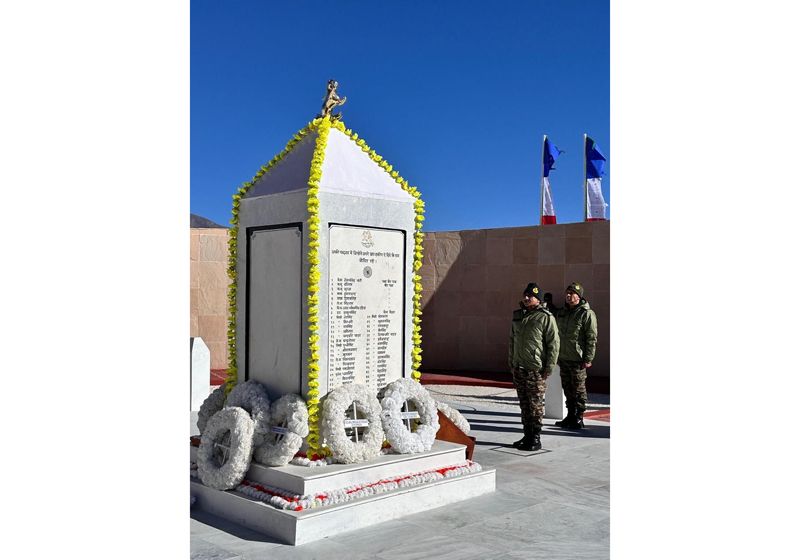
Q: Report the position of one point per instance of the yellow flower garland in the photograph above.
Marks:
(315, 450)
(323, 126)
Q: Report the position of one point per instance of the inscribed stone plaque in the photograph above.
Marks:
(365, 318)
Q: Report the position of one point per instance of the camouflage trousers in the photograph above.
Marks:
(530, 389)
(573, 381)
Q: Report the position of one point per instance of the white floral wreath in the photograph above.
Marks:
(334, 411)
(276, 451)
(225, 449)
(211, 406)
(252, 396)
(455, 416)
(395, 395)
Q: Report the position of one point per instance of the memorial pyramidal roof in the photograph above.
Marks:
(349, 166)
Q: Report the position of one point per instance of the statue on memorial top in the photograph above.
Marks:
(331, 100)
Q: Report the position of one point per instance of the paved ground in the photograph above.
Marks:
(550, 504)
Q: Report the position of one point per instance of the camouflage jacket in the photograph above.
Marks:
(577, 328)
(533, 341)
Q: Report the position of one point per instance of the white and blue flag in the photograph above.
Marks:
(595, 168)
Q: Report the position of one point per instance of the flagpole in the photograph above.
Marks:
(585, 195)
(541, 185)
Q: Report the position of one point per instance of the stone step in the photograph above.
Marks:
(300, 527)
(314, 480)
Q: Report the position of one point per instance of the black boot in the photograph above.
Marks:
(577, 423)
(534, 443)
(524, 439)
(569, 418)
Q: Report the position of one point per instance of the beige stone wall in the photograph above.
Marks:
(473, 280)
(209, 291)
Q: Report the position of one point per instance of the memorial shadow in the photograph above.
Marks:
(587, 432)
(479, 420)
(489, 413)
(487, 398)
(601, 432)
(479, 428)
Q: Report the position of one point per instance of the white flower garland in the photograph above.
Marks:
(334, 411)
(252, 396)
(275, 452)
(286, 500)
(225, 449)
(401, 439)
(306, 462)
(455, 416)
(211, 406)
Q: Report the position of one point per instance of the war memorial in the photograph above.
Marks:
(322, 426)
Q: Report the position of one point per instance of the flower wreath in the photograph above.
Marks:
(395, 395)
(225, 449)
(274, 453)
(455, 416)
(334, 412)
(252, 396)
(211, 406)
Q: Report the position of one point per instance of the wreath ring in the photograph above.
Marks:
(334, 412)
(211, 405)
(395, 395)
(278, 449)
(252, 396)
(225, 449)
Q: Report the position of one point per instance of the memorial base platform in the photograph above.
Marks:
(299, 527)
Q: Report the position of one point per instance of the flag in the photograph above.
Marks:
(595, 168)
(549, 155)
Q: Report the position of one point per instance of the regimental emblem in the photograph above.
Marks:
(577, 287)
(536, 290)
(366, 239)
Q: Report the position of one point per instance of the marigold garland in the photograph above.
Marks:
(316, 451)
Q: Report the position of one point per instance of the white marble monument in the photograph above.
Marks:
(365, 317)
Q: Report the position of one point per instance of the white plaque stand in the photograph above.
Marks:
(555, 403)
(199, 372)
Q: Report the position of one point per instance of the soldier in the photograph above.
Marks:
(577, 329)
(548, 303)
(532, 355)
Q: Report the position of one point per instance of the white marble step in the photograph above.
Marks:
(314, 480)
(300, 527)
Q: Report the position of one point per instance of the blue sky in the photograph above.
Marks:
(455, 95)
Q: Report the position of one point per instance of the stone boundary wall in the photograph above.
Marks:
(208, 256)
(473, 280)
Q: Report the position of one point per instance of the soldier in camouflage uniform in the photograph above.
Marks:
(577, 329)
(532, 355)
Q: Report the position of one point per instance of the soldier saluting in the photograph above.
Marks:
(577, 328)
(532, 355)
